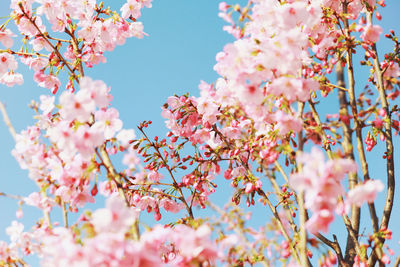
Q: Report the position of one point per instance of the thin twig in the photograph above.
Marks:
(7, 121)
(175, 183)
(12, 196)
(46, 39)
(65, 214)
(262, 193)
(338, 86)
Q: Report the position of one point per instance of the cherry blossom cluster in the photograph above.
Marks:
(251, 126)
(263, 65)
(67, 165)
(91, 28)
(321, 183)
(103, 241)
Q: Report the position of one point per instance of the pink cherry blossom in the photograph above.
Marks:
(364, 193)
(62, 135)
(320, 181)
(286, 123)
(35, 199)
(124, 136)
(320, 221)
(107, 188)
(148, 4)
(11, 78)
(146, 202)
(26, 27)
(293, 89)
(6, 38)
(131, 159)
(170, 205)
(371, 33)
(15, 231)
(98, 90)
(36, 64)
(194, 244)
(7, 62)
(39, 43)
(154, 176)
(136, 30)
(78, 106)
(47, 81)
(116, 217)
(108, 122)
(46, 103)
(131, 8)
(87, 139)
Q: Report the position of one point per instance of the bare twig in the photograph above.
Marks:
(12, 196)
(65, 214)
(7, 121)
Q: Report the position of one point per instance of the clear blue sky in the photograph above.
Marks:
(184, 37)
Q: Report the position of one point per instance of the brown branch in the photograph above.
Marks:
(352, 233)
(300, 202)
(357, 123)
(112, 173)
(338, 86)
(335, 246)
(278, 191)
(389, 145)
(78, 52)
(397, 263)
(45, 36)
(347, 144)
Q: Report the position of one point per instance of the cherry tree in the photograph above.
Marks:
(285, 126)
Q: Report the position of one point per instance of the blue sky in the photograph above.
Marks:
(184, 37)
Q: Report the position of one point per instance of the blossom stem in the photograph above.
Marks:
(47, 40)
(77, 51)
(321, 130)
(175, 184)
(272, 208)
